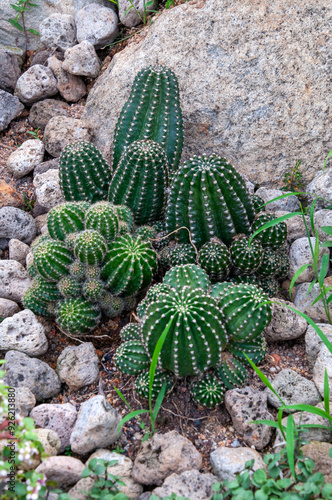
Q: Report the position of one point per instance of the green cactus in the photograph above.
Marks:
(247, 258)
(209, 197)
(270, 265)
(163, 258)
(77, 270)
(273, 236)
(129, 265)
(196, 334)
(84, 174)
(92, 289)
(150, 297)
(259, 203)
(254, 349)
(66, 218)
(283, 270)
(132, 331)
(152, 112)
(77, 316)
(231, 371)
(270, 286)
(69, 287)
(146, 233)
(52, 259)
(110, 305)
(129, 303)
(126, 218)
(214, 258)
(90, 247)
(187, 275)
(160, 378)
(70, 241)
(247, 279)
(245, 310)
(103, 217)
(140, 181)
(181, 253)
(32, 271)
(36, 305)
(131, 358)
(208, 391)
(39, 295)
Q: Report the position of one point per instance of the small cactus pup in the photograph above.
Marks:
(259, 203)
(182, 253)
(140, 181)
(69, 287)
(208, 391)
(231, 371)
(52, 259)
(126, 219)
(110, 305)
(160, 378)
(103, 217)
(209, 198)
(270, 265)
(146, 233)
(273, 236)
(132, 331)
(131, 358)
(214, 258)
(129, 265)
(66, 218)
(247, 258)
(77, 316)
(84, 174)
(40, 295)
(187, 275)
(245, 309)
(196, 332)
(254, 349)
(152, 112)
(90, 247)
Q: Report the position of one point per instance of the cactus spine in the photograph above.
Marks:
(131, 358)
(160, 378)
(90, 247)
(52, 259)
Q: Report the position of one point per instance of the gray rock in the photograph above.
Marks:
(14, 280)
(323, 363)
(66, 471)
(60, 418)
(18, 52)
(9, 70)
(96, 24)
(321, 186)
(245, 405)
(96, 426)
(285, 324)
(77, 366)
(18, 251)
(58, 31)
(162, 455)
(293, 389)
(228, 462)
(37, 83)
(45, 166)
(303, 301)
(189, 484)
(23, 332)
(299, 255)
(25, 158)
(10, 108)
(295, 226)
(15, 223)
(323, 218)
(8, 308)
(82, 60)
(41, 223)
(313, 342)
(48, 190)
(290, 204)
(21, 370)
(71, 87)
(41, 112)
(61, 131)
(41, 57)
(25, 400)
(134, 16)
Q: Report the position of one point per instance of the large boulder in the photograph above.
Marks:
(250, 82)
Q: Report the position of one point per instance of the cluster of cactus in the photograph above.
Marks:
(86, 266)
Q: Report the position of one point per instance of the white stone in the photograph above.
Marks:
(289, 204)
(189, 484)
(14, 280)
(321, 186)
(134, 16)
(78, 366)
(66, 471)
(313, 342)
(18, 250)
(8, 308)
(300, 254)
(228, 462)
(322, 363)
(323, 218)
(82, 60)
(18, 224)
(96, 24)
(58, 31)
(295, 226)
(25, 400)
(38, 82)
(47, 186)
(26, 158)
(285, 324)
(304, 300)
(23, 332)
(70, 87)
(61, 131)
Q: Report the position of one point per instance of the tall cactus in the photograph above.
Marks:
(152, 112)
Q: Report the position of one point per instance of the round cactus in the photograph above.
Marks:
(196, 334)
(270, 265)
(77, 316)
(110, 305)
(90, 247)
(32, 271)
(44, 290)
(214, 258)
(129, 303)
(244, 257)
(131, 358)
(65, 219)
(231, 371)
(150, 297)
(270, 286)
(208, 391)
(182, 253)
(258, 202)
(254, 349)
(77, 270)
(126, 217)
(69, 286)
(247, 279)
(103, 217)
(129, 265)
(187, 275)
(273, 236)
(92, 272)
(36, 305)
(92, 289)
(146, 233)
(52, 259)
(283, 270)
(132, 331)
(70, 240)
(160, 378)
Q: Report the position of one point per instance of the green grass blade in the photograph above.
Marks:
(290, 444)
(327, 229)
(326, 160)
(129, 416)
(119, 393)
(282, 428)
(310, 409)
(159, 401)
(263, 378)
(296, 275)
(316, 250)
(326, 392)
(312, 214)
(324, 267)
(270, 423)
(312, 284)
(275, 221)
(281, 197)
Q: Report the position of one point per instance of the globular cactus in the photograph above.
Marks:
(92, 289)
(283, 270)
(151, 112)
(214, 258)
(247, 279)
(103, 217)
(187, 275)
(254, 349)
(70, 240)
(129, 265)
(92, 272)
(245, 310)
(69, 287)
(270, 265)
(84, 174)
(258, 202)
(181, 253)
(32, 271)
(208, 391)
(110, 305)
(247, 258)
(196, 335)
(129, 303)
(150, 297)
(270, 286)
(160, 378)
(126, 219)
(36, 305)
(131, 358)
(66, 218)
(231, 371)
(52, 259)
(77, 270)
(39, 295)
(90, 247)
(146, 233)
(208, 197)
(132, 331)
(273, 236)
(77, 316)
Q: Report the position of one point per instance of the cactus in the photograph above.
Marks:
(270, 286)
(52, 259)
(182, 253)
(129, 265)
(187, 275)
(247, 279)
(132, 331)
(103, 217)
(36, 305)
(196, 334)
(70, 241)
(273, 236)
(140, 181)
(150, 297)
(160, 378)
(209, 197)
(77, 270)
(77, 316)
(84, 174)
(259, 203)
(126, 218)
(32, 271)
(110, 305)
(208, 391)
(92, 289)
(65, 219)
(131, 358)
(214, 258)
(69, 287)
(90, 247)
(146, 233)
(271, 264)
(152, 112)
(283, 270)
(254, 349)
(129, 303)
(244, 257)
(231, 371)
(245, 310)
(39, 295)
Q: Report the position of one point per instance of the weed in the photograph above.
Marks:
(34, 134)
(293, 179)
(28, 203)
(68, 451)
(143, 17)
(21, 7)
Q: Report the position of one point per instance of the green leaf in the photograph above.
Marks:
(327, 229)
(159, 401)
(86, 473)
(326, 392)
(312, 284)
(99, 470)
(17, 8)
(326, 159)
(326, 244)
(312, 215)
(321, 295)
(16, 24)
(129, 416)
(296, 275)
(324, 268)
(263, 378)
(290, 444)
(275, 221)
(34, 32)
(316, 250)
(310, 409)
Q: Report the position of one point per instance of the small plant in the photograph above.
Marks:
(34, 133)
(142, 17)
(169, 3)
(293, 179)
(21, 7)
(28, 203)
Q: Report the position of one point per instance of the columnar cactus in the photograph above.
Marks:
(187, 275)
(151, 112)
(160, 378)
(247, 258)
(214, 258)
(78, 316)
(140, 181)
(52, 259)
(66, 218)
(131, 358)
(90, 247)
(84, 174)
(208, 197)
(273, 236)
(208, 391)
(103, 217)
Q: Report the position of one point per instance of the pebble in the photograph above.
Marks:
(189, 484)
(10, 108)
(18, 251)
(41, 223)
(321, 186)
(300, 254)
(82, 60)
(285, 324)
(323, 363)
(9, 197)
(66, 471)
(23, 332)
(51, 444)
(37, 83)
(14, 280)
(70, 87)
(96, 24)
(78, 366)
(129, 17)
(26, 157)
(303, 301)
(8, 308)
(323, 218)
(41, 112)
(290, 204)
(25, 400)
(9, 70)
(313, 342)
(47, 187)
(58, 31)
(228, 462)
(15, 223)
(45, 166)
(61, 131)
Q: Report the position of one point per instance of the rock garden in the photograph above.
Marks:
(165, 234)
